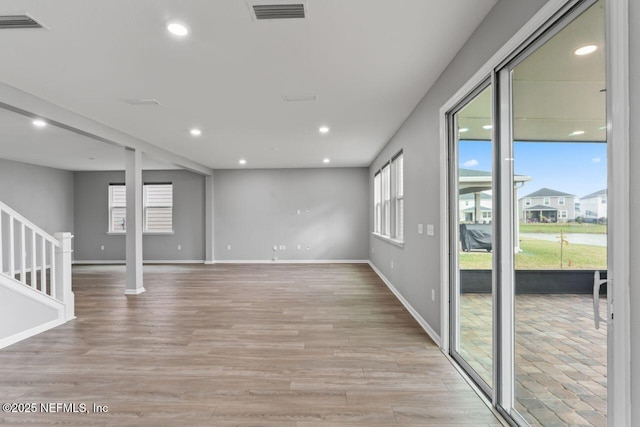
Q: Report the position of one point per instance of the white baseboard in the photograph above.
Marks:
(122, 262)
(423, 323)
(5, 342)
(292, 261)
(136, 291)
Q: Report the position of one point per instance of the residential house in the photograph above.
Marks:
(547, 205)
(593, 207)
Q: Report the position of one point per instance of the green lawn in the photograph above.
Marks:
(567, 228)
(542, 255)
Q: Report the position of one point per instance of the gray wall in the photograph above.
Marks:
(416, 269)
(42, 195)
(256, 209)
(634, 94)
(92, 218)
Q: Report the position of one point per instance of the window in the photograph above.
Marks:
(117, 208)
(377, 208)
(388, 199)
(527, 202)
(547, 201)
(157, 205)
(560, 201)
(603, 200)
(398, 163)
(158, 208)
(486, 215)
(563, 214)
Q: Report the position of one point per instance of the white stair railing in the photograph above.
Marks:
(35, 258)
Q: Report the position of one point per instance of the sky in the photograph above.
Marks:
(575, 168)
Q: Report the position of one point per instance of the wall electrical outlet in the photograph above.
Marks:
(308, 247)
(433, 295)
(299, 212)
(275, 247)
(102, 247)
(179, 247)
(299, 246)
(228, 247)
(373, 250)
(391, 264)
(420, 228)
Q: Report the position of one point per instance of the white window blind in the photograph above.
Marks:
(158, 207)
(157, 201)
(117, 208)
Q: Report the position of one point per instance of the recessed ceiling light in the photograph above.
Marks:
(487, 127)
(326, 160)
(576, 132)
(463, 130)
(195, 132)
(39, 123)
(586, 50)
(242, 161)
(177, 29)
(323, 129)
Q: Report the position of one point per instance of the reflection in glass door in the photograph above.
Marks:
(559, 144)
(472, 235)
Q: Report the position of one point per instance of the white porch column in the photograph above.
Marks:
(209, 218)
(133, 179)
(478, 207)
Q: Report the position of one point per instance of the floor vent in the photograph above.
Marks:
(8, 22)
(279, 11)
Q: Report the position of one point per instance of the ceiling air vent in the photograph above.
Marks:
(8, 22)
(142, 101)
(279, 11)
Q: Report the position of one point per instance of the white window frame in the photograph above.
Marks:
(145, 208)
(112, 230)
(388, 189)
(560, 201)
(547, 201)
(398, 186)
(386, 200)
(527, 201)
(112, 227)
(377, 206)
(564, 214)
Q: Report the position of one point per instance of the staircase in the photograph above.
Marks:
(35, 278)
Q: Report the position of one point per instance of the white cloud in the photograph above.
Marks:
(469, 163)
(596, 160)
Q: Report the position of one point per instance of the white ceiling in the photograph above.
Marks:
(368, 62)
(555, 92)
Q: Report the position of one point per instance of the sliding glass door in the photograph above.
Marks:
(472, 236)
(528, 227)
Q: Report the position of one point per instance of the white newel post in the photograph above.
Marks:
(63, 274)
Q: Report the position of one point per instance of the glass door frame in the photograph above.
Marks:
(454, 239)
(549, 20)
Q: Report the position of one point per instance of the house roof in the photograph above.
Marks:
(540, 208)
(548, 192)
(472, 172)
(596, 194)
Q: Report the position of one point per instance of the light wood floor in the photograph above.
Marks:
(239, 345)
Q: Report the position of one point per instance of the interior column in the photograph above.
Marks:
(133, 179)
(209, 217)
